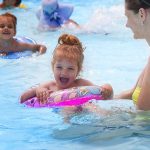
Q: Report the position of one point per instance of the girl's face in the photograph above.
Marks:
(9, 2)
(65, 73)
(134, 23)
(7, 28)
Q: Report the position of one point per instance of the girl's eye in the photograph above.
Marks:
(58, 67)
(10, 26)
(2, 25)
(70, 68)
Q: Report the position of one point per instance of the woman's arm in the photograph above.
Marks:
(73, 22)
(125, 94)
(128, 93)
(144, 98)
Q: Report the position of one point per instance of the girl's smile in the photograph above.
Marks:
(65, 72)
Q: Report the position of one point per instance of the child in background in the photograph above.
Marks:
(11, 4)
(54, 15)
(67, 64)
(8, 43)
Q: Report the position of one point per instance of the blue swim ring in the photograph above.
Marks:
(17, 55)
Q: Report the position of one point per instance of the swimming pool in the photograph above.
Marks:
(114, 57)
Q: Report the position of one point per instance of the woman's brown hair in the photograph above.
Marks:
(135, 5)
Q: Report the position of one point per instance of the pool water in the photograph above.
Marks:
(111, 56)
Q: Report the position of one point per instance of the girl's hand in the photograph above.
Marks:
(42, 49)
(3, 54)
(42, 94)
(107, 91)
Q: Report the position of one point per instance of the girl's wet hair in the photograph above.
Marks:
(135, 5)
(69, 47)
(18, 2)
(9, 15)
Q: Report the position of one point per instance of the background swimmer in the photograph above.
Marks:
(12, 3)
(8, 43)
(54, 15)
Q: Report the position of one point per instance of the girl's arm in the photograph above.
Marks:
(107, 89)
(28, 94)
(32, 92)
(33, 47)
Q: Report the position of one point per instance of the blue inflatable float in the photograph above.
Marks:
(16, 55)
